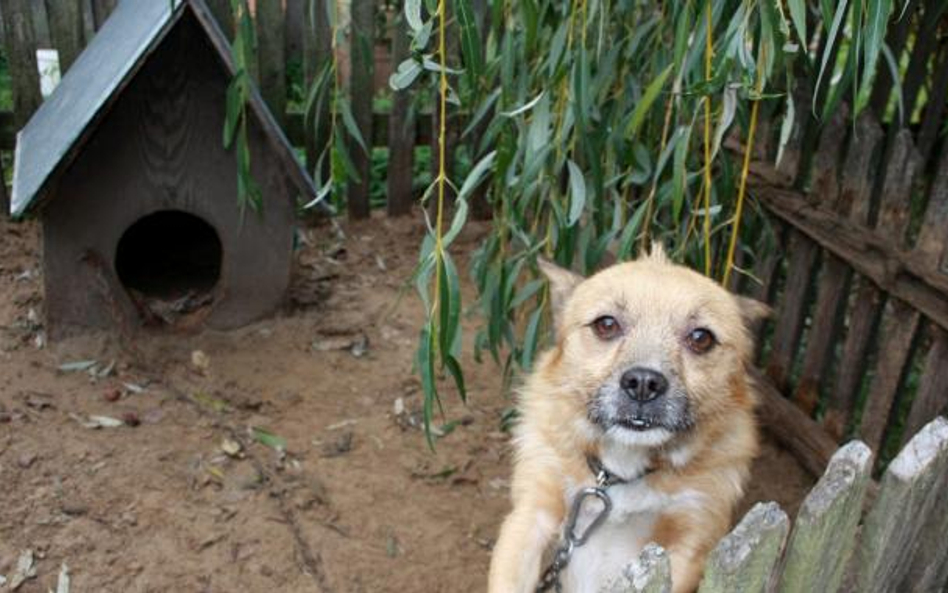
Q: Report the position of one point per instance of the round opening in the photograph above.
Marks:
(169, 255)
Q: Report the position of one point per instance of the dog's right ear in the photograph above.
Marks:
(562, 284)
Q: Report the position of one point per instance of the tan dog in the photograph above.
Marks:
(646, 381)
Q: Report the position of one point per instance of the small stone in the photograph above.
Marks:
(131, 419)
(26, 460)
(200, 361)
(112, 395)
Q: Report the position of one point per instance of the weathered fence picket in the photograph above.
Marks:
(649, 573)
(745, 559)
(907, 497)
(822, 539)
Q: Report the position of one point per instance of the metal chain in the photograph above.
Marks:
(550, 580)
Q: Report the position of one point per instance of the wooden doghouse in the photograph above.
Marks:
(125, 166)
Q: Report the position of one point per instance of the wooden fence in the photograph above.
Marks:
(859, 279)
(901, 545)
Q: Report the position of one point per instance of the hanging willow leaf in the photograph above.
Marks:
(643, 106)
(471, 48)
(577, 193)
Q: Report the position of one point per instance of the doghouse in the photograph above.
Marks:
(125, 167)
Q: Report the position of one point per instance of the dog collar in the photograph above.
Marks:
(606, 478)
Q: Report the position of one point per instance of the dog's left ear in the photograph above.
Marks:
(562, 284)
(752, 310)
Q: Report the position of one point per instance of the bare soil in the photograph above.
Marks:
(185, 496)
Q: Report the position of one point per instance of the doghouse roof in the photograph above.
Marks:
(65, 121)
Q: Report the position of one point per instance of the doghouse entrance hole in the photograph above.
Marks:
(169, 255)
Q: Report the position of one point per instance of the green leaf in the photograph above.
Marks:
(471, 48)
(525, 107)
(267, 438)
(877, 17)
(798, 16)
(413, 14)
(524, 294)
(406, 74)
(631, 232)
(350, 123)
(530, 338)
(424, 361)
(830, 41)
(454, 367)
(577, 189)
(643, 106)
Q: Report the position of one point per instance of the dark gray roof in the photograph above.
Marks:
(64, 121)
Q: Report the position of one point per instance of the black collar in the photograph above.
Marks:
(605, 477)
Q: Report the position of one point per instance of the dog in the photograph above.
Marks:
(643, 398)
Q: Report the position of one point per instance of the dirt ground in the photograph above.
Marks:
(185, 496)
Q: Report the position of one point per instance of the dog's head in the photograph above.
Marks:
(648, 350)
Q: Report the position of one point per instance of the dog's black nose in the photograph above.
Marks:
(643, 384)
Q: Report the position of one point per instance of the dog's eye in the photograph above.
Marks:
(606, 327)
(700, 340)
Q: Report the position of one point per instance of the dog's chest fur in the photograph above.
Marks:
(628, 528)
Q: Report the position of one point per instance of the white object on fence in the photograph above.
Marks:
(649, 573)
(47, 63)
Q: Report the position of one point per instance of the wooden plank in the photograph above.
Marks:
(793, 429)
(863, 323)
(649, 573)
(317, 38)
(20, 45)
(792, 314)
(88, 21)
(401, 132)
(896, 196)
(824, 531)
(294, 29)
(223, 14)
(361, 92)
(833, 287)
(932, 244)
(931, 398)
(907, 495)
(65, 27)
(101, 9)
(271, 57)
(745, 558)
(858, 171)
(899, 324)
(4, 197)
(41, 24)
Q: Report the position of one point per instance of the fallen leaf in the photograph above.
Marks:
(25, 570)
(265, 437)
(97, 421)
(231, 447)
(79, 365)
(62, 586)
(200, 361)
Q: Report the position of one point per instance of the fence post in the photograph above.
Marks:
(317, 43)
(101, 9)
(649, 573)
(20, 43)
(361, 92)
(401, 131)
(65, 28)
(907, 495)
(271, 56)
(824, 531)
(223, 15)
(744, 559)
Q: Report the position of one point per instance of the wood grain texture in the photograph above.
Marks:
(361, 92)
(899, 324)
(931, 398)
(824, 531)
(932, 243)
(101, 9)
(745, 558)
(20, 45)
(65, 27)
(793, 308)
(935, 107)
(401, 132)
(649, 573)
(907, 496)
(896, 198)
(858, 170)
(929, 567)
